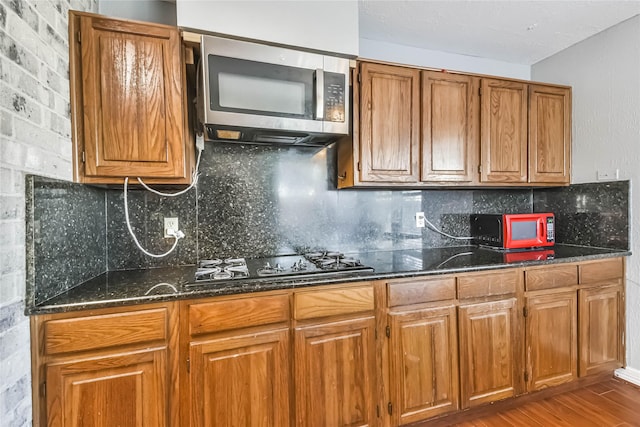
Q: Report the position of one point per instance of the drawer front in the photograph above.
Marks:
(308, 305)
(600, 271)
(551, 277)
(421, 291)
(230, 314)
(103, 331)
(488, 284)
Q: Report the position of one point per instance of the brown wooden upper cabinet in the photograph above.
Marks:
(503, 143)
(473, 131)
(390, 125)
(449, 127)
(127, 103)
(549, 134)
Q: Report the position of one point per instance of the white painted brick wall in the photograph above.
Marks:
(34, 138)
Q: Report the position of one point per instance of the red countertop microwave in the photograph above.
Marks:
(513, 231)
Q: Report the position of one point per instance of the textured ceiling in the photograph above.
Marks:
(521, 32)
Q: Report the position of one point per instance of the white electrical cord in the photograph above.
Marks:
(176, 234)
(434, 228)
(194, 180)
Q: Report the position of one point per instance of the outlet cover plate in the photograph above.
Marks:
(170, 224)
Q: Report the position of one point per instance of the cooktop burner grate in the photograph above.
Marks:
(314, 263)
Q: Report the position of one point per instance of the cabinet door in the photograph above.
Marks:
(424, 364)
(131, 98)
(450, 126)
(390, 123)
(335, 374)
(488, 353)
(503, 142)
(127, 390)
(241, 380)
(601, 329)
(549, 134)
(551, 339)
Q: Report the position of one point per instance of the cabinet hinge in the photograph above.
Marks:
(479, 168)
(378, 411)
(188, 365)
(43, 389)
(526, 376)
(375, 333)
(388, 331)
(358, 166)
(358, 78)
(479, 91)
(84, 157)
(390, 408)
(525, 311)
(78, 37)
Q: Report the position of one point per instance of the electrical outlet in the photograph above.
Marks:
(608, 174)
(420, 219)
(170, 224)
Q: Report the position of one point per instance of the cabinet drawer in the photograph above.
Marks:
(488, 284)
(551, 277)
(308, 305)
(594, 272)
(421, 291)
(103, 331)
(224, 315)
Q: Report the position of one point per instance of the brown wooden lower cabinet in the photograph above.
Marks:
(488, 351)
(335, 373)
(424, 363)
(127, 389)
(316, 356)
(601, 337)
(551, 337)
(242, 380)
(109, 367)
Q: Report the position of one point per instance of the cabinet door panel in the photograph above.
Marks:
(488, 353)
(126, 390)
(549, 134)
(424, 364)
(601, 338)
(335, 374)
(551, 339)
(390, 123)
(450, 123)
(241, 381)
(132, 99)
(504, 131)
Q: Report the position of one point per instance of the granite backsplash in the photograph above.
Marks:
(254, 200)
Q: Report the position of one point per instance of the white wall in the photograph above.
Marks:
(160, 11)
(384, 51)
(322, 25)
(604, 71)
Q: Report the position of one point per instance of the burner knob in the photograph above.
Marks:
(278, 266)
(267, 266)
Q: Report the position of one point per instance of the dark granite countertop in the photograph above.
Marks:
(129, 287)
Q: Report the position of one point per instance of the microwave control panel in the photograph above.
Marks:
(334, 97)
(550, 229)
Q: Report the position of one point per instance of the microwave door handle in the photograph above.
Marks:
(541, 231)
(319, 94)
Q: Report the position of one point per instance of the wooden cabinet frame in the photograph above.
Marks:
(366, 340)
(128, 101)
(474, 131)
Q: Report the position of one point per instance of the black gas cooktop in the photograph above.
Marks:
(310, 264)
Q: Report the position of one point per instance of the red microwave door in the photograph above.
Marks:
(525, 231)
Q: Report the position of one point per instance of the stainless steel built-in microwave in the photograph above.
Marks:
(267, 94)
